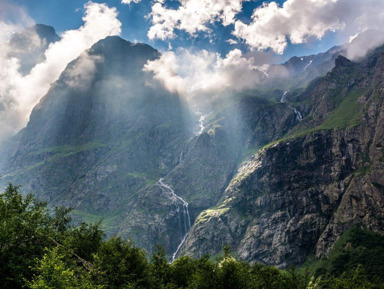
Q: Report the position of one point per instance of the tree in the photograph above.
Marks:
(119, 264)
(159, 268)
(58, 270)
(26, 228)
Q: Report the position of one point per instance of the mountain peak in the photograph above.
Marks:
(343, 61)
(42, 31)
(116, 47)
(45, 31)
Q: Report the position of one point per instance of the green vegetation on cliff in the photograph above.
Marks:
(356, 249)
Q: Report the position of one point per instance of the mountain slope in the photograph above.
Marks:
(106, 133)
(299, 195)
(109, 141)
(101, 134)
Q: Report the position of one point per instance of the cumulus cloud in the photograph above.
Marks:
(272, 26)
(189, 72)
(296, 20)
(130, 1)
(191, 16)
(19, 94)
(299, 20)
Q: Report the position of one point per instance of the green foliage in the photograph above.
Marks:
(346, 113)
(357, 251)
(26, 228)
(84, 240)
(355, 279)
(181, 272)
(365, 249)
(159, 268)
(39, 250)
(57, 270)
(118, 264)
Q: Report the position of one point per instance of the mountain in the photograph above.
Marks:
(274, 172)
(101, 134)
(110, 142)
(298, 72)
(29, 45)
(298, 195)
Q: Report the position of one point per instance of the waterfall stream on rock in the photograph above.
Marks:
(185, 212)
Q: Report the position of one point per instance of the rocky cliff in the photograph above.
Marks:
(298, 195)
(111, 142)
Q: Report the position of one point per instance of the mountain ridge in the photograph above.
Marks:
(109, 141)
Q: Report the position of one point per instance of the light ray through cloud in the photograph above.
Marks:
(19, 94)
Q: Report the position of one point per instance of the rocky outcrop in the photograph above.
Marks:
(300, 195)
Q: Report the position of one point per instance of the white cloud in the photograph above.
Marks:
(232, 41)
(363, 43)
(19, 94)
(272, 26)
(130, 1)
(12, 19)
(82, 73)
(298, 20)
(187, 72)
(191, 16)
(163, 70)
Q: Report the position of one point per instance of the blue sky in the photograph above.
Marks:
(66, 15)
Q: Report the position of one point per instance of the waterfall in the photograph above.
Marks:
(310, 62)
(201, 122)
(284, 96)
(202, 119)
(283, 99)
(299, 117)
(181, 156)
(186, 220)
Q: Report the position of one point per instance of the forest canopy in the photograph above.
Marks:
(42, 248)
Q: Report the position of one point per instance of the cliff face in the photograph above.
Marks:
(299, 195)
(106, 133)
(109, 141)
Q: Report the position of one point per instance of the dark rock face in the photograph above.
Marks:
(30, 45)
(299, 196)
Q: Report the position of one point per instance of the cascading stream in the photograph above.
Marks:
(202, 118)
(284, 96)
(283, 99)
(186, 218)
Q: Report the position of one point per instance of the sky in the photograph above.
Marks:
(205, 44)
(137, 20)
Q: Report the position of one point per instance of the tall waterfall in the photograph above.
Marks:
(184, 218)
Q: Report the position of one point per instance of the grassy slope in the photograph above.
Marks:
(355, 246)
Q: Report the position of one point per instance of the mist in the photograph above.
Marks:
(19, 93)
(189, 72)
(364, 43)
